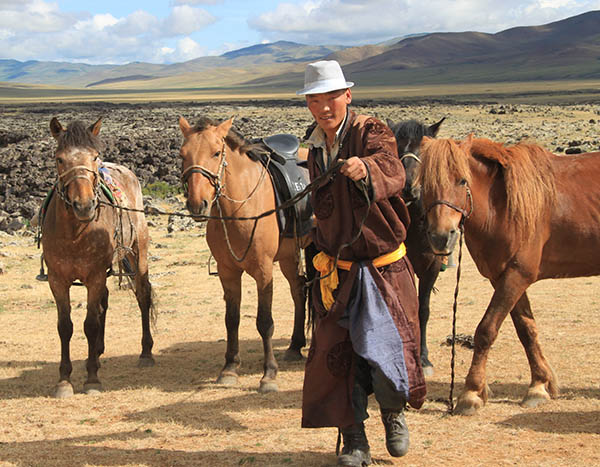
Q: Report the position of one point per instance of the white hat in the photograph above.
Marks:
(324, 76)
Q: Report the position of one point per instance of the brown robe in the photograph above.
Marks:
(339, 208)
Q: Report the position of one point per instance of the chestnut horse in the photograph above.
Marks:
(527, 215)
(81, 236)
(222, 180)
(426, 264)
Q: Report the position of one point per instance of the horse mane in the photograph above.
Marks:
(234, 139)
(525, 168)
(78, 135)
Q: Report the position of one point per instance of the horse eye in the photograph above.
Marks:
(217, 154)
(59, 160)
(462, 182)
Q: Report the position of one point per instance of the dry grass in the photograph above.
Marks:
(174, 413)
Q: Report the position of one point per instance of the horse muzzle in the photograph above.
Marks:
(198, 210)
(85, 212)
(443, 243)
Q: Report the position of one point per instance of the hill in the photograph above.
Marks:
(563, 50)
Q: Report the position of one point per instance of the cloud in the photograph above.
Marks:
(38, 30)
(351, 22)
(195, 2)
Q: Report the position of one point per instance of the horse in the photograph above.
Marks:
(426, 264)
(527, 215)
(82, 234)
(223, 181)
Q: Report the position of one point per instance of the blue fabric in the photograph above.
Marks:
(373, 332)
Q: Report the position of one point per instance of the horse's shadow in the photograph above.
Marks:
(181, 367)
(84, 448)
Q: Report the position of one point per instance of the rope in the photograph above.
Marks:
(454, 312)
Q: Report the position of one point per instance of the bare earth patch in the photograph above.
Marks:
(175, 415)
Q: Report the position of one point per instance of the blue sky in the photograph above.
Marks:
(168, 31)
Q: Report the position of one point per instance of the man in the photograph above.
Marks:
(366, 333)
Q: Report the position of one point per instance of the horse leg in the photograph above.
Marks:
(289, 268)
(231, 281)
(508, 290)
(265, 326)
(543, 381)
(60, 291)
(426, 283)
(143, 294)
(94, 331)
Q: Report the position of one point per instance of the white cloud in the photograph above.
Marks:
(353, 22)
(38, 30)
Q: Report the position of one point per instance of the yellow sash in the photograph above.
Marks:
(324, 264)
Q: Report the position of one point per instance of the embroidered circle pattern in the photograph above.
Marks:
(339, 359)
(324, 205)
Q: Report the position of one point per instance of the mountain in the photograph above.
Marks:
(566, 49)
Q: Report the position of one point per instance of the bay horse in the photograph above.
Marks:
(81, 236)
(426, 264)
(527, 215)
(222, 180)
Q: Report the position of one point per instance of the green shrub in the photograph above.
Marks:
(161, 190)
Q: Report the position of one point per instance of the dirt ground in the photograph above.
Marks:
(175, 415)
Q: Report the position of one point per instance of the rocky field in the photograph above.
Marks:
(146, 137)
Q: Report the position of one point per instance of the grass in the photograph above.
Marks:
(161, 190)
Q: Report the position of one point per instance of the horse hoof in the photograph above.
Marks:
(535, 396)
(468, 404)
(64, 389)
(145, 362)
(92, 388)
(268, 386)
(292, 355)
(428, 371)
(227, 379)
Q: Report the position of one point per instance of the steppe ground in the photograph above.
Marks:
(175, 415)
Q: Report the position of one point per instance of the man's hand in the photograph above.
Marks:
(354, 168)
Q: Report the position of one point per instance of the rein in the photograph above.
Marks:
(62, 185)
(464, 215)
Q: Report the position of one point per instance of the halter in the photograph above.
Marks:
(61, 186)
(213, 178)
(410, 155)
(464, 212)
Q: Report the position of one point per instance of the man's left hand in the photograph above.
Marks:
(354, 168)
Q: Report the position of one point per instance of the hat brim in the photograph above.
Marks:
(322, 88)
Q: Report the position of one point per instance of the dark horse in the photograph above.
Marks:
(224, 181)
(427, 265)
(81, 236)
(528, 215)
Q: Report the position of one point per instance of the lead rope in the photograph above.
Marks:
(454, 310)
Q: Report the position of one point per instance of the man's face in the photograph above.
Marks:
(329, 109)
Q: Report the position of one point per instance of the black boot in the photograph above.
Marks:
(356, 451)
(396, 432)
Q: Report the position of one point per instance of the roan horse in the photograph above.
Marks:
(223, 181)
(528, 215)
(80, 238)
(427, 265)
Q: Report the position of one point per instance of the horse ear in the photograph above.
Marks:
(466, 144)
(436, 127)
(95, 128)
(224, 127)
(56, 129)
(389, 122)
(184, 125)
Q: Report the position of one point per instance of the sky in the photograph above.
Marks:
(171, 31)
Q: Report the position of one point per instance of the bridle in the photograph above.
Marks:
(410, 155)
(215, 179)
(465, 213)
(62, 184)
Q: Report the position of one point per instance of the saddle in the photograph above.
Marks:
(279, 154)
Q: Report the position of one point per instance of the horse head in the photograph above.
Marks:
(77, 166)
(203, 166)
(409, 135)
(445, 177)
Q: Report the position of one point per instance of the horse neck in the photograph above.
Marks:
(247, 185)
